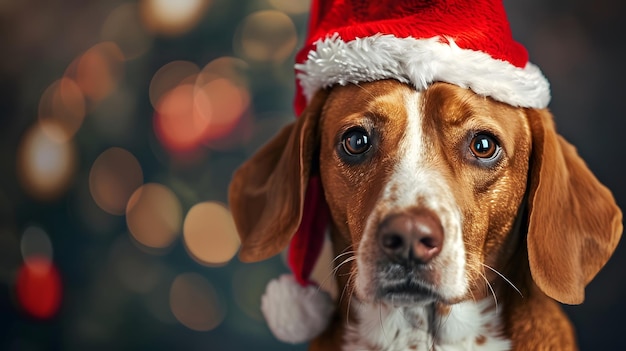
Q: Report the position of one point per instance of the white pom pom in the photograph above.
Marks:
(294, 313)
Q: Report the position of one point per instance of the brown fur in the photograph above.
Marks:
(540, 218)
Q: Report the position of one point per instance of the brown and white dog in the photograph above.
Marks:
(460, 222)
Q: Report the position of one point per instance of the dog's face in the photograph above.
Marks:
(424, 185)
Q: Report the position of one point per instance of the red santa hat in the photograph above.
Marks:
(463, 42)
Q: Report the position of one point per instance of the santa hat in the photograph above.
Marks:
(463, 42)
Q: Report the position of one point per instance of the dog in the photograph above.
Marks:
(459, 222)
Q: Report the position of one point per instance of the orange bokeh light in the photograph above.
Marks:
(232, 68)
(113, 177)
(266, 36)
(45, 165)
(195, 303)
(210, 234)
(290, 6)
(63, 102)
(98, 71)
(154, 216)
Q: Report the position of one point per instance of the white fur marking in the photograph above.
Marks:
(472, 326)
(413, 180)
(466, 328)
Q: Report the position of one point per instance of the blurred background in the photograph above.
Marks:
(122, 121)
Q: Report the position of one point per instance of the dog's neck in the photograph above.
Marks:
(464, 326)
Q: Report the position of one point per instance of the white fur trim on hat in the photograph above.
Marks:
(420, 62)
(295, 313)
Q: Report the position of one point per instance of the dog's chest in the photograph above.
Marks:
(468, 326)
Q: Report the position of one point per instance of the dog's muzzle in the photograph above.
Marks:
(408, 242)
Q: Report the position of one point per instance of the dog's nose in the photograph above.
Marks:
(411, 237)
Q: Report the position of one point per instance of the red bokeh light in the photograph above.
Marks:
(178, 123)
(39, 287)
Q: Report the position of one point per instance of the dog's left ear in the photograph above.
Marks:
(574, 222)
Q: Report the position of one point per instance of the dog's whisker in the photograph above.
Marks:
(473, 296)
(347, 260)
(380, 320)
(334, 271)
(351, 252)
(352, 287)
(503, 277)
(343, 292)
(495, 298)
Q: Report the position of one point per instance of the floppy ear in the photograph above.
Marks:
(266, 194)
(574, 223)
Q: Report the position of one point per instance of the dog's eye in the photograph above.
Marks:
(356, 142)
(484, 146)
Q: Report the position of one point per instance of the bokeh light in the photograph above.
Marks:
(226, 103)
(113, 178)
(45, 165)
(39, 288)
(224, 82)
(291, 6)
(98, 71)
(266, 36)
(172, 17)
(181, 121)
(36, 243)
(232, 68)
(195, 302)
(168, 77)
(124, 28)
(193, 107)
(64, 104)
(209, 233)
(154, 216)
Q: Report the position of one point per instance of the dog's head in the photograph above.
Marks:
(426, 187)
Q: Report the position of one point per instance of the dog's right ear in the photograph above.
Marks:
(574, 222)
(266, 194)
